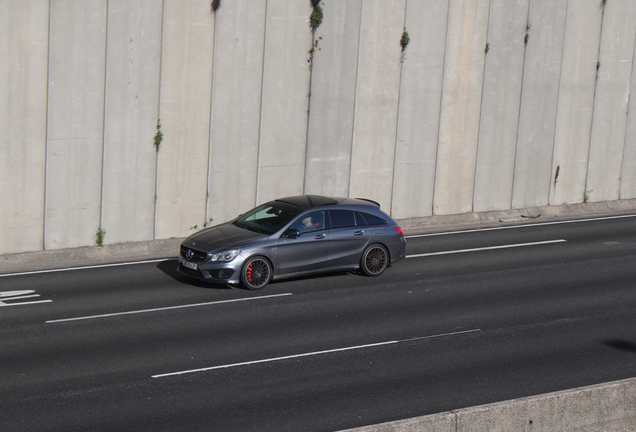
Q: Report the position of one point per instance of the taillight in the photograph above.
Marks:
(399, 230)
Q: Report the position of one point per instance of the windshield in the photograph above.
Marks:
(267, 218)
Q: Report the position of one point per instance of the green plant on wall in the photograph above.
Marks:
(404, 41)
(99, 236)
(204, 225)
(315, 19)
(158, 135)
(487, 48)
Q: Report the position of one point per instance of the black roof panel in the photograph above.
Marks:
(311, 201)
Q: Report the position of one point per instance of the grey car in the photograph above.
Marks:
(294, 236)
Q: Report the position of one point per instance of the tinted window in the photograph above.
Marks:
(369, 219)
(360, 221)
(342, 218)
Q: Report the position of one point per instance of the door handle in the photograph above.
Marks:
(320, 236)
(358, 232)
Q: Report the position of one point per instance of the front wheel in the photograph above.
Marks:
(256, 273)
(374, 260)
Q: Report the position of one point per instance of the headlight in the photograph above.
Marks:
(226, 256)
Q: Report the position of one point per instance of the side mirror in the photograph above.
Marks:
(292, 233)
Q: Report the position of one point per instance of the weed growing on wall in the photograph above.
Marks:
(99, 236)
(315, 19)
(158, 136)
(487, 48)
(216, 4)
(204, 225)
(404, 41)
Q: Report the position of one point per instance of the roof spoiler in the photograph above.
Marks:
(371, 201)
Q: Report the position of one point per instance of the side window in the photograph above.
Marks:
(360, 221)
(311, 222)
(372, 220)
(342, 218)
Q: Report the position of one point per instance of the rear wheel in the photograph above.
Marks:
(256, 273)
(374, 260)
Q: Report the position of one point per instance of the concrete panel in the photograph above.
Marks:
(593, 407)
(75, 122)
(283, 135)
(333, 86)
(236, 108)
(186, 82)
(611, 101)
(500, 105)
(377, 98)
(576, 100)
(23, 47)
(628, 176)
(539, 98)
(132, 109)
(602, 407)
(461, 103)
(418, 115)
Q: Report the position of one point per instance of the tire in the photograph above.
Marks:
(256, 273)
(375, 260)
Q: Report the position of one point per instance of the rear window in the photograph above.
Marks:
(369, 219)
(342, 219)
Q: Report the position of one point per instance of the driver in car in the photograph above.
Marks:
(307, 225)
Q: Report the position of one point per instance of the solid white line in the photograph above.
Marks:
(519, 226)
(486, 248)
(18, 297)
(25, 303)
(87, 267)
(164, 308)
(310, 354)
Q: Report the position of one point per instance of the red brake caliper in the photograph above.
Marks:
(249, 273)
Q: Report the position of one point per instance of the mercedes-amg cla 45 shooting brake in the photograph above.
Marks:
(295, 236)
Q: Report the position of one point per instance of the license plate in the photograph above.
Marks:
(189, 265)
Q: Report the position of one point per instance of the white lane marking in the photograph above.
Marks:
(164, 308)
(19, 295)
(486, 248)
(315, 353)
(87, 267)
(25, 303)
(520, 226)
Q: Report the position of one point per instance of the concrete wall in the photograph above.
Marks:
(24, 36)
(603, 407)
(254, 106)
(332, 104)
(130, 118)
(75, 116)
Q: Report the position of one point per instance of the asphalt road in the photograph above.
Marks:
(469, 318)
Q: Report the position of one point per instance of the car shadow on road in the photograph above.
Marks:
(169, 268)
(621, 345)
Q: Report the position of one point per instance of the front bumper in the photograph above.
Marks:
(222, 273)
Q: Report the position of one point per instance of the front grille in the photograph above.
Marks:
(197, 256)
